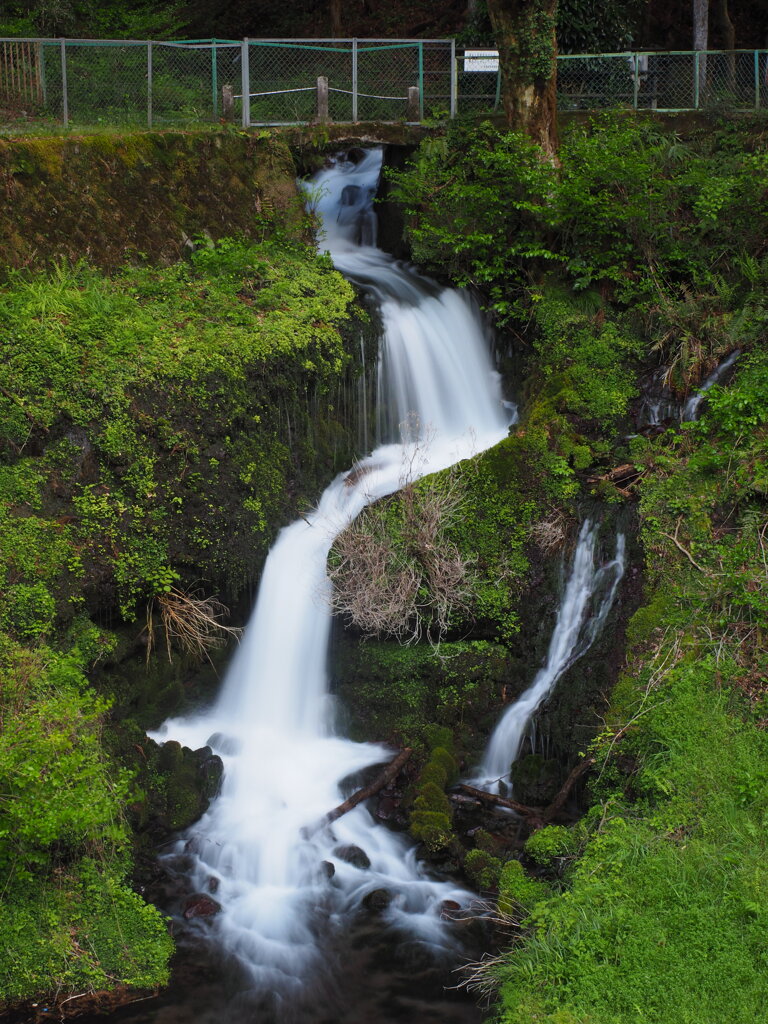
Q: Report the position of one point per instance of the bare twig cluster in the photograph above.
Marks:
(190, 622)
(551, 532)
(395, 571)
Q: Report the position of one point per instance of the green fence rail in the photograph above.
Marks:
(91, 82)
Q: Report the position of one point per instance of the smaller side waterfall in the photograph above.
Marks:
(691, 407)
(660, 407)
(587, 600)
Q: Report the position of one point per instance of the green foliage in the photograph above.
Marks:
(115, 19)
(143, 422)
(479, 201)
(668, 897)
(587, 358)
(518, 892)
(92, 362)
(583, 26)
(67, 919)
(56, 791)
(594, 26)
(632, 210)
(82, 931)
(548, 843)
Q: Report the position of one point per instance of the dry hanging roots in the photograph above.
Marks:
(408, 589)
(189, 621)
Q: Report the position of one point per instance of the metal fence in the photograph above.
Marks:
(669, 81)
(88, 82)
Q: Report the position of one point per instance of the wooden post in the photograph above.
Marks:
(227, 103)
(322, 99)
(412, 110)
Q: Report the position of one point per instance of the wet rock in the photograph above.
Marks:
(213, 884)
(210, 772)
(181, 864)
(386, 808)
(201, 905)
(536, 780)
(353, 855)
(328, 868)
(377, 900)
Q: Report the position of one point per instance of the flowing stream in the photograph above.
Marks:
(587, 599)
(285, 884)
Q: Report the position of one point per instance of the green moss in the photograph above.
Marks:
(112, 196)
(432, 828)
(546, 844)
(431, 815)
(418, 695)
(483, 869)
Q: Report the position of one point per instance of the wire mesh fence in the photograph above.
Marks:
(87, 82)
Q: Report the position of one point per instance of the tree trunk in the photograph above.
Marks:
(701, 39)
(726, 32)
(700, 24)
(336, 24)
(525, 37)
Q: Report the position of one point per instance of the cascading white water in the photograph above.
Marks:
(659, 404)
(586, 602)
(272, 725)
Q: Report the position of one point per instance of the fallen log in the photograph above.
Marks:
(533, 814)
(552, 810)
(537, 817)
(381, 780)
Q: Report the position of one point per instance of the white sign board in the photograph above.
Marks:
(481, 60)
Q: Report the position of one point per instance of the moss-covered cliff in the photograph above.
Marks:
(160, 421)
(112, 197)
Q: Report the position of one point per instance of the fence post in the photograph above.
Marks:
(757, 79)
(412, 109)
(421, 80)
(453, 78)
(214, 81)
(246, 82)
(636, 80)
(227, 103)
(322, 99)
(64, 96)
(149, 85)
(354, 80)
(696, 80)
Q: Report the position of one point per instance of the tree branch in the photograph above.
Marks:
(381, 780)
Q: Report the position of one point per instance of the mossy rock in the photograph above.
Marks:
(483, 869)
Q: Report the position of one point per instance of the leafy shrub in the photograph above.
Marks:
(548, 843)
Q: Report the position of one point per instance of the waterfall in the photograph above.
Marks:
(587, 599)
(660, 407)
(691, 407)
(283, 883)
